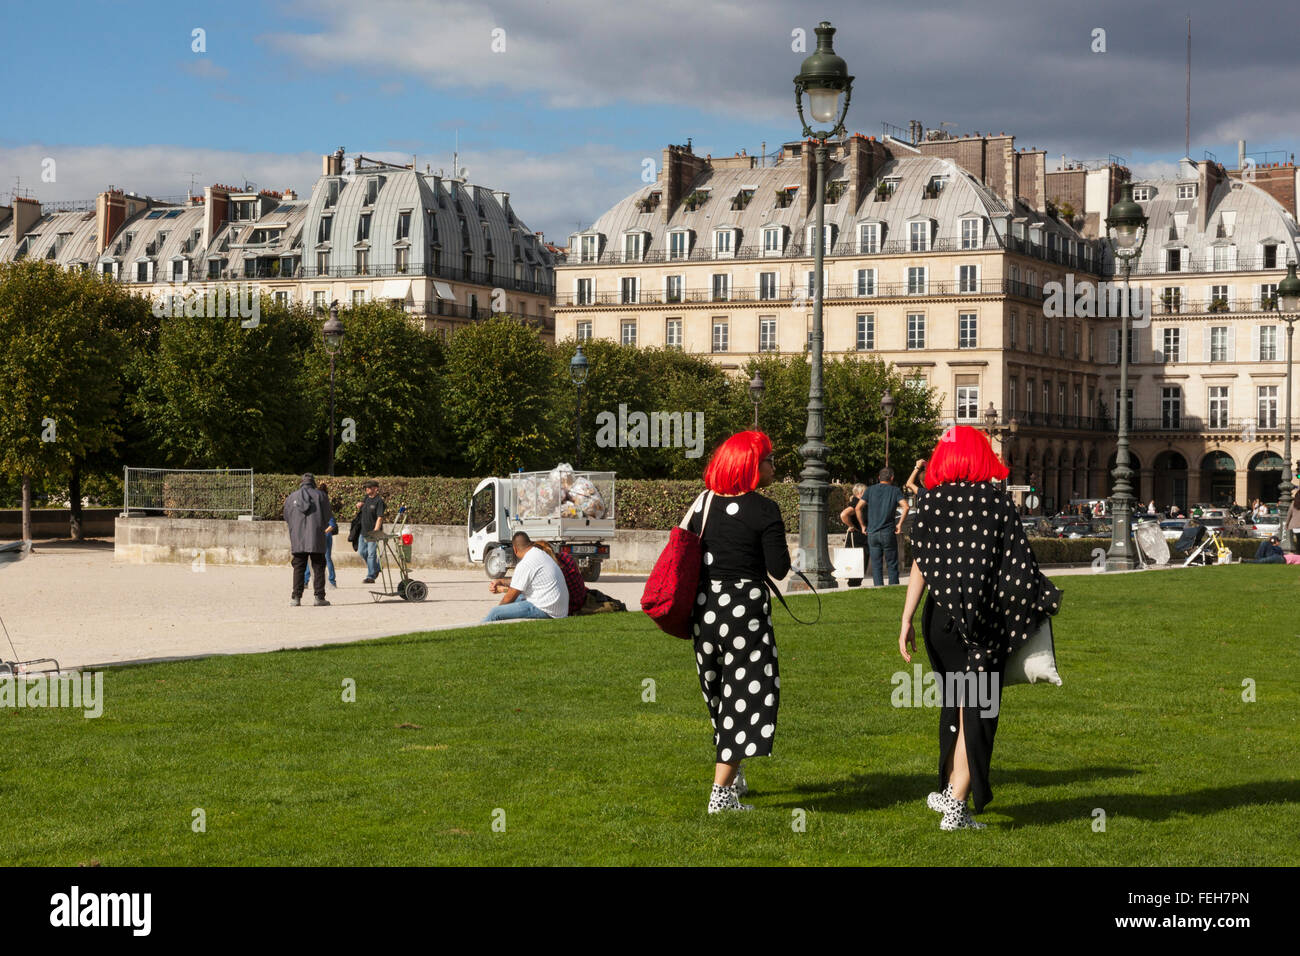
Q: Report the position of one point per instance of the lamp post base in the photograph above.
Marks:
(813, 545)
(1122, 555)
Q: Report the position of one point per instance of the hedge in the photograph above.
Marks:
(1080, 550)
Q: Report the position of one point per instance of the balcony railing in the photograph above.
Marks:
(1216, 306)
(1037, 420)
(1198, 424)
(1206, 264)
(841, 292)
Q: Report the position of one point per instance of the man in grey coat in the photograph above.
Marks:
(307, 512)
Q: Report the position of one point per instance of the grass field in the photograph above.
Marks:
(543, 725)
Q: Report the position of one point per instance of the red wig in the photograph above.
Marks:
(733, 469)
(963, 454)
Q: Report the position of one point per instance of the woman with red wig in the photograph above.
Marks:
(986, 598)
(744, 541)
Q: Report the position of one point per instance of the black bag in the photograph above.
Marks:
(354, 533)
(598, 602)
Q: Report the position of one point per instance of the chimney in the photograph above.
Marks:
(216, 203)
(680, 168)
(290, 195)
(866, 158)
(27, 212)
(1241, 154)
(1208, 177)
(808, 177)
(332, 164)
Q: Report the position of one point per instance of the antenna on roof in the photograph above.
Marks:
(193, 178)
(1188, 141)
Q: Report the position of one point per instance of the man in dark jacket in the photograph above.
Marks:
(1269, 552)
(307, 513)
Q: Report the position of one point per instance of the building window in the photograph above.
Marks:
(1128, 407)
(1218, 401)
(473, 306)
(1268, 343)
(767, 285)
(1011, 330)
(318, 301)
(918, 236)
(828, 238)
(1141, 193)
(1060, 338)
(142, 271)
(866, 332)
(1187, 191)
(916, 280)
(1173, 260)
(720, 336)
(967, 329)
(1171, 298)
(1225, 258)
(358, 297)
(968, 403)
(585, 293)
(1013, 395)
(1171, 407)
(916, 330)
(1173, 345)
(632, 247)
(401, 261)
(968, 279)
(282, 298)
(722, 244)
(590, 248)
(678, 245)
(363, 262)
(971, 234)
(866, 282)
(629, 290)
(772, 241)
(673, 334)
(721, 287)
(363, 227)
(1219, 343)
(1029, 398)
(584, 330)
(673, 289)
(403, 225)
(1092, 345)
(869, 237)
(1060, 400)
(1029, 332)
(1266, 405)
(1078, 340)
(1268, 297)
(1047, 337)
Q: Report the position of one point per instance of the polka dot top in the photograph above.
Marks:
(979, 567)
(744, 538)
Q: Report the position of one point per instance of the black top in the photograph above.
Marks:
(856, 519)
(372, 509)
(744, 538)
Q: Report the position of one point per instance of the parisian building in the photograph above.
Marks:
(445, 250)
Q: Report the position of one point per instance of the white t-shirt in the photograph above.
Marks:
(541, 581)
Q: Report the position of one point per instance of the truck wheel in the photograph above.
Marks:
(590, 569)
(495, 561)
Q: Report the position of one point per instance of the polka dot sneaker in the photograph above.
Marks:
(738, 782)
(724, 799)
(941, 800)
(957, 817)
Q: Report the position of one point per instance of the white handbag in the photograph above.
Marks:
(1034, 661)
(848, 563)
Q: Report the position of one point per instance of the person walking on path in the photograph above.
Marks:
(535, 590)
(1293, 523)
(882, 527)
(330, 534)
(743, 539)
(372, 520)
(987, 596)
(307, 513)
(854, 519)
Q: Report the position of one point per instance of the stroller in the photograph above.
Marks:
(1202, 545)
(11, 553)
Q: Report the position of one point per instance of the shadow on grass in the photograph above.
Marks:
(878, 791)
(1156, 806)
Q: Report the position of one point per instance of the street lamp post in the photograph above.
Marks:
(1002, 435)
(1126, 229)
(578, 368)
(756, 389)
(887, 406)
(1288, 298)
(825, 77)
(332, 333)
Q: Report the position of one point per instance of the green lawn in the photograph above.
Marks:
(545, 721)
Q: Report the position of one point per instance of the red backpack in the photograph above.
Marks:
(669, 596)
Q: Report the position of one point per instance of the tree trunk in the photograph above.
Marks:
(74, 501)
(27, 507)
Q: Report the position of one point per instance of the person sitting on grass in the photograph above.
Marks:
(1269, 552)
(572, 578)
(536, 589)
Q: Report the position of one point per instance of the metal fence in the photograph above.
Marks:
(182, 492)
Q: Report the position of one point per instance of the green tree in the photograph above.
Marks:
(499, 390)
(388, 380)
(215, 394)
(65, 338)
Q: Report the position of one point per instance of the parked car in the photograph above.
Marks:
(1263, 527)
(1172, 528)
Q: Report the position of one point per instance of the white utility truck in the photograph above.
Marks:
(573, 511)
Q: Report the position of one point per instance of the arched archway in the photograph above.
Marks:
(1218, 479)
(1064, 479)
(1263, 476)
(1170, 480)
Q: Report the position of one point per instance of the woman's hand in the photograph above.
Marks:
(907, 641)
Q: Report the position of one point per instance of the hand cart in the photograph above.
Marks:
(397, 546)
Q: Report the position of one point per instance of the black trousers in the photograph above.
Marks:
(317, 572)
(948, 655)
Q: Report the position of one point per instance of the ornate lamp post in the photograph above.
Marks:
(756, 390)
(1288, 298)
(578, 368)
(332, 333)
(1126, 229)
(825, 78)
(1001, 435)
(887, 407)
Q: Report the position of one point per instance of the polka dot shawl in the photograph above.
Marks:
(979, 567)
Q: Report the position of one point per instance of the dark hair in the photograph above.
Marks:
(324, 487)
(371, 484)
(515, 538)
(886, 474)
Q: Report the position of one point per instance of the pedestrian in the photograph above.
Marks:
(535, 590)
(913, 484)
(987, 596)
(372, 520)
(1268, 552)
(307, 513)
(330, 533)
(1151, 508)
(572, 577)
(743, 538)
(854, 519)
(1293, 523)
(883, 527)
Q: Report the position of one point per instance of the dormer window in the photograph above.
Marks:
(835, 189)
(773, 240)
(331, 193)
(363, 227)
(934, 187)
(590, 248)
(326, 227)
(828, 238)
(679, 244)
(404, 225)
(742, 198)
(372, 190)
(785, 196)
(869, 237)
(649, 203)
(972, 233)
(1141, 193)
(918, 235)
(724, 243)
(1187, 190)
(634, 246)
(886, 188)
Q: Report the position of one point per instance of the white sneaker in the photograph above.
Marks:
(941, 800)
(957, 817)
(724, 798)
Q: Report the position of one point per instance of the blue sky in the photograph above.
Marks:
(582, 92)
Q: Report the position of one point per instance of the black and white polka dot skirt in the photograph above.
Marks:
(735, 655)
